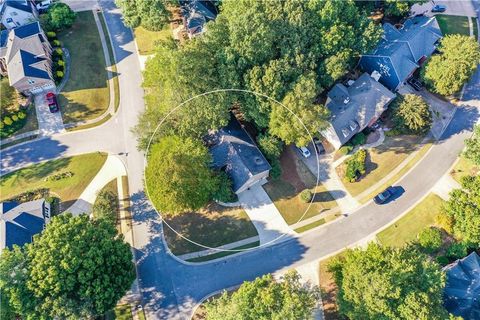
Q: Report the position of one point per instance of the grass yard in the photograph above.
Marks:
(123, 312)
(86, 94)
(381, 161)
(146, 39)
(453, 24)
(407, 228)
(83, 167)
(212, 226)
(463, 168)
(285, 192)
(7, 96)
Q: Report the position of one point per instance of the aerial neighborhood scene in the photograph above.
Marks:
(240, 159)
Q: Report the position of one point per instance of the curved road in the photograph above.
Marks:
(170, 289)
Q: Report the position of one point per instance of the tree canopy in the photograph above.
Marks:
(289, 52)
(399, 8)
(77, 268)
(150, 14)
(388, 283)
(463, 208)
(472, 147)
(448, 71)
(178, 175)
(60, 16)
(266, 298)
(411, 114)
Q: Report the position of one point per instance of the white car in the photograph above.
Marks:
(305, 152)
(43, 6)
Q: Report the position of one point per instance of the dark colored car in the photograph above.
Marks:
(384, 196)
(439, 8)
(318, 145)
(415, 83)
(52, 102)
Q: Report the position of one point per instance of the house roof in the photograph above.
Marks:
(197, 13)
(27, 30)
(234, 151)
(352, 111)
(25, 64)
(462, 290)
(22, 5)
(20, 222)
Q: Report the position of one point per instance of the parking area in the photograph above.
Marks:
(49, 122)
(456, 8)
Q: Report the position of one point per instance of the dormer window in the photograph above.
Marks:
(353, 125)
(345, 132)
(347, 100)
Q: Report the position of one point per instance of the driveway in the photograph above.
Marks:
(264, 215)
(81, 5)
(455, 8)
(48, 123)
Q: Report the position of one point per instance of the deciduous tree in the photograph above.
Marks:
(472, 146)
(150, 14)
(60, 16)
(411, 114)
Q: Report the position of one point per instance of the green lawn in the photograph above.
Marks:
(212, 226)
(407, 228)
(464, 167)
(7, 96)
(285, 192)
(146, 39)
(381, 161)
(83, 167)
(123, 312)
(86, 94)
(453, 24)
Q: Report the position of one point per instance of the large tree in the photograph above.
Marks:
(77, 268)
(399, 8)
(178, 175)
(271, 50)
(60, 16)
(449, 70)
(150, 14)
(463, 208)
(472, 146)
(389, 283)
(411, 114)
(266, 298)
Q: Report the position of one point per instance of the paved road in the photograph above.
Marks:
(169, 288)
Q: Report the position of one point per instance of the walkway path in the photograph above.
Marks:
(264, 215)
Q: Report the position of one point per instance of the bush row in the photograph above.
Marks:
(59, 176)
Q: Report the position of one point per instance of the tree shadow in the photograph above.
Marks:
(73, 111)
(326, 196)
(465, 118)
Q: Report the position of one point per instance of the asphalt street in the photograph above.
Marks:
(170, 288)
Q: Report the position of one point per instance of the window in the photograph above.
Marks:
(9, 20)
(30, 81)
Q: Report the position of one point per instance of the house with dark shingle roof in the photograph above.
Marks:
(196, 13)
(401, 51)
(355, 107)
(462, 290)
(235, 152)
(16, 13)
(26, 54)
(20, 222)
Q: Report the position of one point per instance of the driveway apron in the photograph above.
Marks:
(48, 123)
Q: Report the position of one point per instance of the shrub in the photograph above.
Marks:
(306, 195)
(58, 51)
(356, 166)
(442, 260)
(445, 222)
(8, 121)
(30, 195)
(276, 171)
(59, 74)
(14, 118)
(1, 125)
(59, 176)
(346, 149)
(457, 250)
(106, 206)
(21, 115)
(358, 139)
(61, 63)
(56, 43)
(430, 239)
(51, 34)
(224, 192)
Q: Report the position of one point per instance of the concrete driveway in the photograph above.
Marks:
(455, 8)
(48, 123)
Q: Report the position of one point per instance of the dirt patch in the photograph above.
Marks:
(289, 169)
(329, 291)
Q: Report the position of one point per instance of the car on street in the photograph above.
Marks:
(415, 83)
(439, 8)
(384, 196)
(304, 151)
(52, 102)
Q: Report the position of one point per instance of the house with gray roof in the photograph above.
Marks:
(235, 152)
(402, 50)
(26, 54)
(20, 222)
(196, 13)
(355, 107)
(462, 289)
(16, 13)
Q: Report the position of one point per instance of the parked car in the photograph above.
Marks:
(43, 6)
(52, 102)
(439, 8)
(318, 145)
(304, 151)
(415, 83)
(384, 196)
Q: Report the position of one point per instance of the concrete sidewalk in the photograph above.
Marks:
(264, 215)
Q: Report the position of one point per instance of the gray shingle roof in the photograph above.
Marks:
(367, 100)
(234, 151)
(462, 290)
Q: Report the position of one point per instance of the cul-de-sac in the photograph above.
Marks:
(239, 160)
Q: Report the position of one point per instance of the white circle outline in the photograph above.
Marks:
(145, 163)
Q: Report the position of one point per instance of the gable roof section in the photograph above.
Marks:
(27, 30)
(233, 150)
(23, 5)
(368, 100)
(462, 290)
(24, 64)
